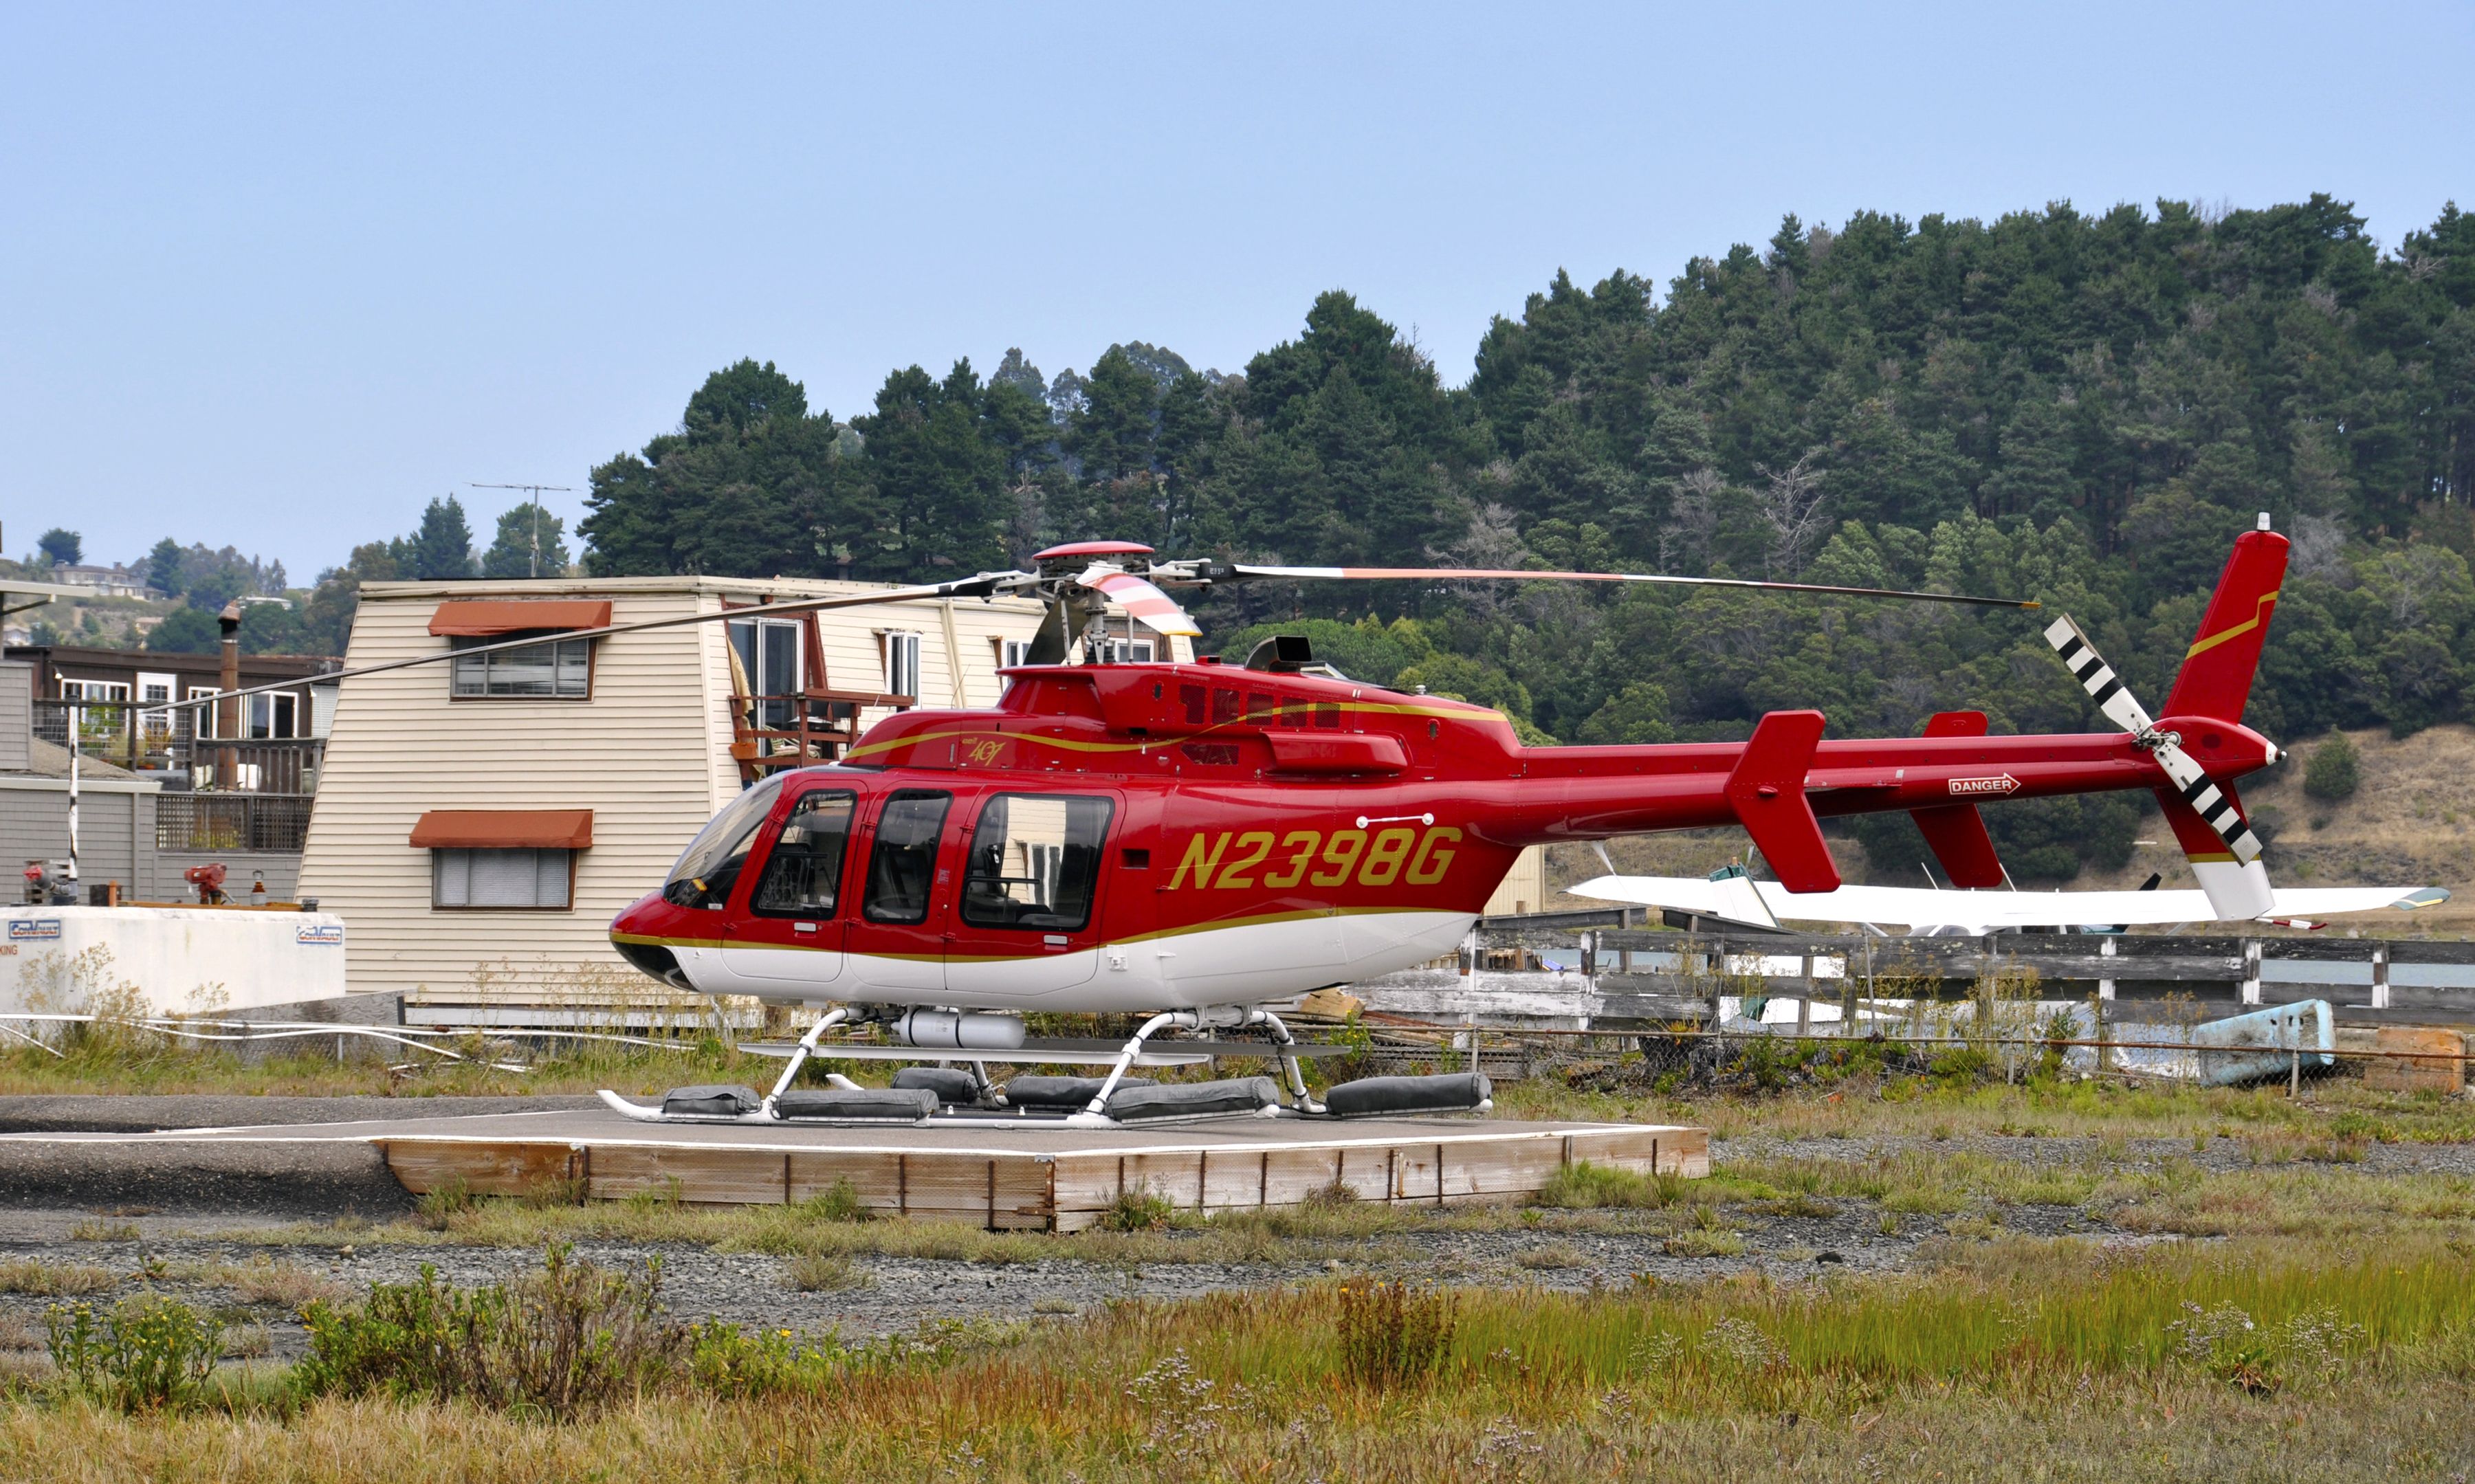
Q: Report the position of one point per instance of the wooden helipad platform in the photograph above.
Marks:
(1001, 1176)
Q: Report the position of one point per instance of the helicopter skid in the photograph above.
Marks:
(990, 1117)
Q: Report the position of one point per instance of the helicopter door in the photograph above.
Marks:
(1028, 921)
(896, 945)
(792, 931)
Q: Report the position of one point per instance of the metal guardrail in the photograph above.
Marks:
(268, 822)
(130, 736)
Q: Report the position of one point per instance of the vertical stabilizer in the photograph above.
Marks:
(2216, 673)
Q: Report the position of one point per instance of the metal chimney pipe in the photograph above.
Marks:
(228, 711)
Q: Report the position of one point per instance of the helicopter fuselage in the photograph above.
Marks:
(1122, 838)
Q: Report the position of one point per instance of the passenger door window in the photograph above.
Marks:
(1034, 861)
(902, 864)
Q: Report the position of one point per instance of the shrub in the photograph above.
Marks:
(2333, 773)
(730, 1363)
(147, 1352)
(1391, 1334)
(560, 1341)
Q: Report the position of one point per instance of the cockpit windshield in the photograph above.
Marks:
(714, 859)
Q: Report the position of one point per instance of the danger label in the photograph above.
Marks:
(1978, 788)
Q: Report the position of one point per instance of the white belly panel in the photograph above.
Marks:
(1376, 943)
(815, 967)
(1026, 980)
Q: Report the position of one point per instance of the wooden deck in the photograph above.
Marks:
(999, 1176)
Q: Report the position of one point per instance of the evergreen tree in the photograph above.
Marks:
(939, 477)
(163, 568)
(530, 544)
(443, 547)
(60, 548)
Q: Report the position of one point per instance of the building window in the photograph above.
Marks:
(1016, 652)
(902, 664)
(1126, 651)
(560, 669)
(272, 714)
(94, 690)
(768, 651)
(541, 879)
(1034, 860)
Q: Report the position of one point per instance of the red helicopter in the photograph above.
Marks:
(1197, 840)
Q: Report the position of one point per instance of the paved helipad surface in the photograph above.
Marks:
(1004, 1172)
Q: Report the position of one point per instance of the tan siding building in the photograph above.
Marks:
(646, 750)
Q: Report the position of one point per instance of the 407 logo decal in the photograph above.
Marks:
(1236, 860)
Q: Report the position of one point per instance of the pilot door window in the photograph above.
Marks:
(1034, 861)
(902, 864)
(710, 865)
(806, 867)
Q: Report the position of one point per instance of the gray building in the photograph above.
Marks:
(142, 830)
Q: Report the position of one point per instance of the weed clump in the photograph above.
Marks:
(52, 1279)
(1585, 1186)
(1392, 1335)
(811, 1273)
(1140, 1210)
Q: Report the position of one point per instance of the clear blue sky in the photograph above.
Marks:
(274, 278)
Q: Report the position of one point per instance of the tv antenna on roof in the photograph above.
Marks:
(533, 568)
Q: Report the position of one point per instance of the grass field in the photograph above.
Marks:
(2251, 1285)
(2005, 1360)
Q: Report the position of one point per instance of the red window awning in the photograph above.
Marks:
(503, 829)
(484, 616)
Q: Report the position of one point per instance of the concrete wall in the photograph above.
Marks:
(184, 962)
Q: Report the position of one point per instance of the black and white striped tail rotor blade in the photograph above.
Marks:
(2096, 676)
(2214, 807)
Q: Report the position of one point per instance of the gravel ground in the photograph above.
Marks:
(69, 1204)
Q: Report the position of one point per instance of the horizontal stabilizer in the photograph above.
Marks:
(1993, 911)
(1767, 792)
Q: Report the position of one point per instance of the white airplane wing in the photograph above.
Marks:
(1918, 906)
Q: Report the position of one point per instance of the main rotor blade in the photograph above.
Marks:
(1155, 609)
(2097, 677)
(1509, 574)
(983, 585)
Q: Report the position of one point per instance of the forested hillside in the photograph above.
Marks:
(2082, 408)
